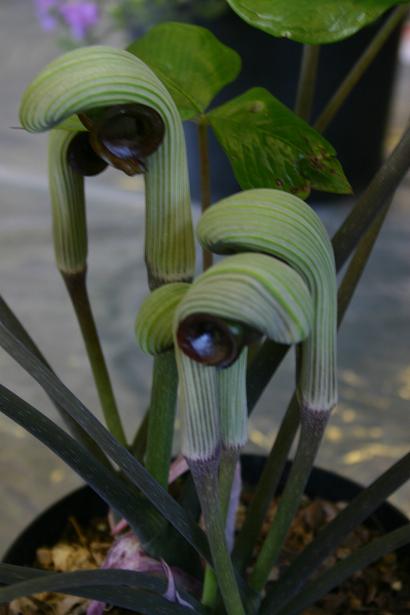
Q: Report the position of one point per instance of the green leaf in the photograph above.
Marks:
(121, 588)
(269, 146)
(191, 62)
(311, 21)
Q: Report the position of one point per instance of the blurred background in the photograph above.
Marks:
(370, 427)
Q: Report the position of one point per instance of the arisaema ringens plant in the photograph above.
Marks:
(274, 288)
(216, 318)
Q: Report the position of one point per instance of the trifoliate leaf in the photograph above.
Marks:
(269, 146)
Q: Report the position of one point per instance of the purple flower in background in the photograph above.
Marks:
(79, 17)
(45, 10)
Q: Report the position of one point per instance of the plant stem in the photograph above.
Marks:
(139, 444)
(345, 568)
(307, 81)
(361, 507)
(267, 486)
(372, 201)
(205, 176)
(162, 417)
(359, 68)
(227, 468)
(358, 263)
(77, 289)
(205, 475)
(313, 424)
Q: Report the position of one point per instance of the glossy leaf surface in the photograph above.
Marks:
(311, 21)
(191, 62)
(269, 146)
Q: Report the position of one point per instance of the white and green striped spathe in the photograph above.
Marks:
(198, 400)
(154, 322)
(261, 293)
(67, 206)
(278, 223)
(98, 77)
(255, 290)
(233, 407)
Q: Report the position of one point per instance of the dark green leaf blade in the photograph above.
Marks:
(121, 588)
(330, 537)
(311, 21)
(191, 62)
(136, 473)
(15, 326)
(269, 146)
(105, 481)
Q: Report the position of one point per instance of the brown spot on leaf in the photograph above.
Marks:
(257, 106)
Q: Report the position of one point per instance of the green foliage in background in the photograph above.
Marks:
(311, 21)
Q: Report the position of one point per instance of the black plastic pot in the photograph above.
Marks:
(84, 504)
(48, 527)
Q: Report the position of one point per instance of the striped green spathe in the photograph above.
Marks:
(233, 408)
(278, 223)
(257, 291)
(98, 77)
(198, 400)
(261, 293)
(67, 206)
(154, 323)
